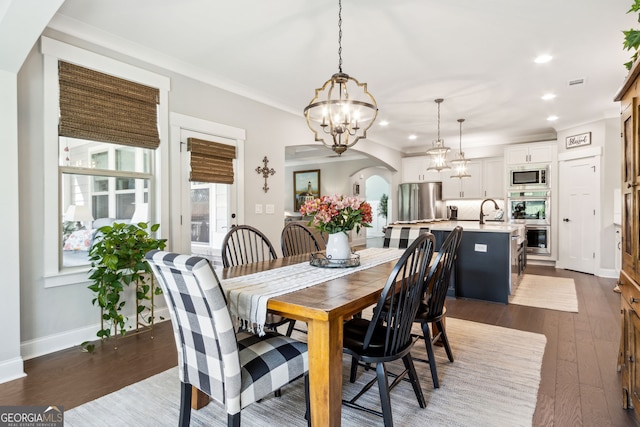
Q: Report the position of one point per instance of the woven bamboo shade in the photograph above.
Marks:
(104, 108)
(211, 161)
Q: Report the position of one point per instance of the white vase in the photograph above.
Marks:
(338, 246)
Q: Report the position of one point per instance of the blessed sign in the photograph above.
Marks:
(578, 140)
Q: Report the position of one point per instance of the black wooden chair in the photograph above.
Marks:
(296, 239)
(387, 336)
(244, 244)
(432, 310)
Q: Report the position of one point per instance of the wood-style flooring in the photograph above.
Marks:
(580, 384)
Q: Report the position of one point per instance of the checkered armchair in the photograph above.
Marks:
(235, 369)
(399, 237)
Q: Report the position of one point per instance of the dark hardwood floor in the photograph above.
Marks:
(580, 384)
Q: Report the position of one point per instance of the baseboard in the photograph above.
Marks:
(61, 341)
(11, 369)
(609, 273)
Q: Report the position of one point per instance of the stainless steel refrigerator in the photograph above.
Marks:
(420, 201)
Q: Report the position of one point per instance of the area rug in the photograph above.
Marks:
(555, 293)
(492, 382)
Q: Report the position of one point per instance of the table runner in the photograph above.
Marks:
(248, 295)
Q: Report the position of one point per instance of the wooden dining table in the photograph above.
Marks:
(324, 307)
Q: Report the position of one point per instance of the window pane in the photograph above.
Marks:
(100, 183)
(100, 206)
(125, 205)
(101, 155)
(200, 215)
(125, 183)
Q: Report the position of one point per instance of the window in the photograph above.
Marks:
(108, 181)
(89, 182)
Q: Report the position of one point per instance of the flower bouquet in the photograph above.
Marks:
(336, 215)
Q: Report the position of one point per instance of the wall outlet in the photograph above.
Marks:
(259, 208)
(480, 247)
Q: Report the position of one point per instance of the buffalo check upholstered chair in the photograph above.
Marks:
(400, 237)
(234, 369)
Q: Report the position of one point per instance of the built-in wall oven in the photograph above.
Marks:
(531, 208)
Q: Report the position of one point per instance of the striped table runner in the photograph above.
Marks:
(248, 295)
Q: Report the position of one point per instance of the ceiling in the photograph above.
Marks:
(477, 55)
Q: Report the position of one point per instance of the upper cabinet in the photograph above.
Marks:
(529, 153)
(465, 188)
(414, 169)
(494, 178)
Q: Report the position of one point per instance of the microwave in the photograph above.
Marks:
(529, 177)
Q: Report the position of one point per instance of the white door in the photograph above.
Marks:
(577, 211)
(208, 210)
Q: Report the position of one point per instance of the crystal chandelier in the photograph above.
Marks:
(460, 164)
(342, 108)
(439, 151)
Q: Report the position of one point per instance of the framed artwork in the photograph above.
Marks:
(578, 140)
(306, 185)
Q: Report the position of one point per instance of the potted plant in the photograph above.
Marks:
(117, 261)
(383, 207)
(632, 37)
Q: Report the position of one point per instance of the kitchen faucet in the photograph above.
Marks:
(482, 204)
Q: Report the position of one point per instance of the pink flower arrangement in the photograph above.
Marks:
(333, 214)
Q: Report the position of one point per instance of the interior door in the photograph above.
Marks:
(208, 209)
(577, 210)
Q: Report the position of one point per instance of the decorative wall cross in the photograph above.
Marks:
(265, 171)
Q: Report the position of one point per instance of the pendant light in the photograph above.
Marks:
(460, 164)
(342, 110)
(438, 151)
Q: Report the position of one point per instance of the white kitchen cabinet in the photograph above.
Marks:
(493, 178)
(465, 188)
(414, 169)
(529, 153)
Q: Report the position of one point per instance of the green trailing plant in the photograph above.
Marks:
(117, 261)
(632, 36)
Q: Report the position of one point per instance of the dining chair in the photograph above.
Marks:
(387, 336)
(234, 369)
(432, 311)
(296, 239)
(400, 237)
(244, 244)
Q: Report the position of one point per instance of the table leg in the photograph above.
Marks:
(199, 399)
(325, 371)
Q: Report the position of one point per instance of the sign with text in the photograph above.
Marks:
(31, 416)
(579, 140)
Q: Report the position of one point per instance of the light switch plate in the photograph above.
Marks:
(258, 208)
(480, 247)
(269, 209)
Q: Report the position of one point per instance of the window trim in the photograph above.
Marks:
(52, 51)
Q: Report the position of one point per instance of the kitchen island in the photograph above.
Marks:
(491, 257)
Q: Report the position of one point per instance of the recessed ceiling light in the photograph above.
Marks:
(412, 137)
(552, 118)
(548, 96)
(543, 59)
(384, 123)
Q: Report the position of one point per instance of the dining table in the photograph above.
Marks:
(323, 307)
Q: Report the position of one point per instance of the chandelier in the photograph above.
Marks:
(438, 151)
(342, 110)
(460, 164)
